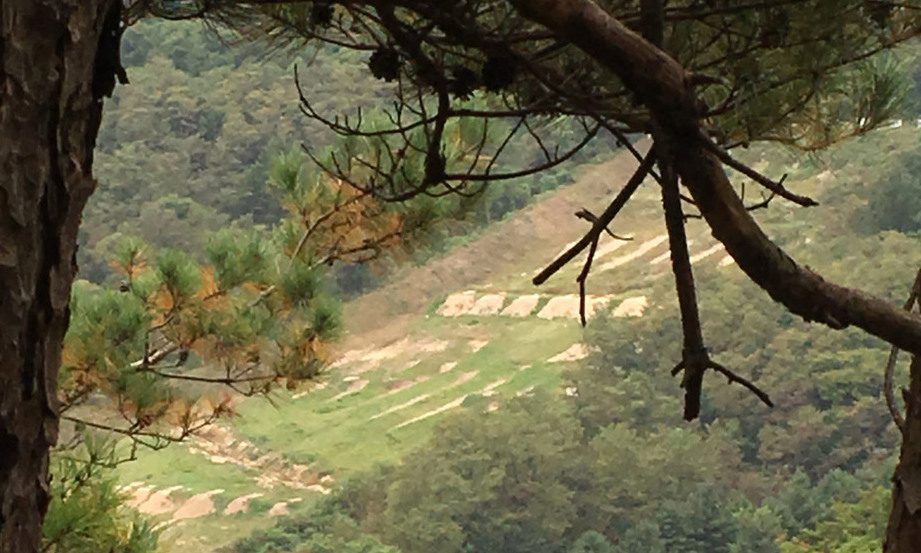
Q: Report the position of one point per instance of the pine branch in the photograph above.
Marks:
(603, 220)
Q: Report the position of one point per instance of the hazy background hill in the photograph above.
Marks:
(469, 409)
(187, 148)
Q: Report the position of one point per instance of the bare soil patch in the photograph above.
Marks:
(281, 508)
(198, 505)
(632, 307)
(707, 253)
(489, 304)
(159, 502)
(446, 407)
(458, 304)
(522, 306)
(576, 352)
(567, 306)
(637, 253)
(240, 504)
(477, 344)
(400, 407)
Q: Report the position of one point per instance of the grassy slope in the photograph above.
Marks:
(340, 436)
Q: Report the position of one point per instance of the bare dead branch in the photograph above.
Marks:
(694, 353)
(558, 159)
(604, 220)
(776, 187)
(139, 436)
(736, 379)
(583, 277)
(587, 215)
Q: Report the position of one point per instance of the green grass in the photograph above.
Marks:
(340, 436)
(177, 466)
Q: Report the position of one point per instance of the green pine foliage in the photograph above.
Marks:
(227, 285)
(87, 512)
(180, 158)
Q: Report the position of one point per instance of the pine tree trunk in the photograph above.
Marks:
(55, 66)
(904, 532)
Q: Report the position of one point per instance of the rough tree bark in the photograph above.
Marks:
(58, 58)
(904, 531)
(56, 63)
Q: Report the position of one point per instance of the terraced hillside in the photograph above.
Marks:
(469, 329)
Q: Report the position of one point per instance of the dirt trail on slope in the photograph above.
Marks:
(221, 446)
(529, 239)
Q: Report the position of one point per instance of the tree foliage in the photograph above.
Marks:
(87, 513)
(610, 470)
(799, 75)
(258, 310)
(180, 158)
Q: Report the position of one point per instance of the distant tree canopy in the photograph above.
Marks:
(706, 79)
(895, 202)
(611, 470)
(700, 77)
(180, 158)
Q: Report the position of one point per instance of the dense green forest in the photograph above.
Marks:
(476, 276)
(190, 148)
(614, 469)
(200, 165)
(187, 149)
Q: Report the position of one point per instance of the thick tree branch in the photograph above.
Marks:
(663, 85)
(695, 359)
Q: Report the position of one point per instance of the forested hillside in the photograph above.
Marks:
(455, 430)
(481, 423)
(187, 148)
(608, 466)
(477, 276)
